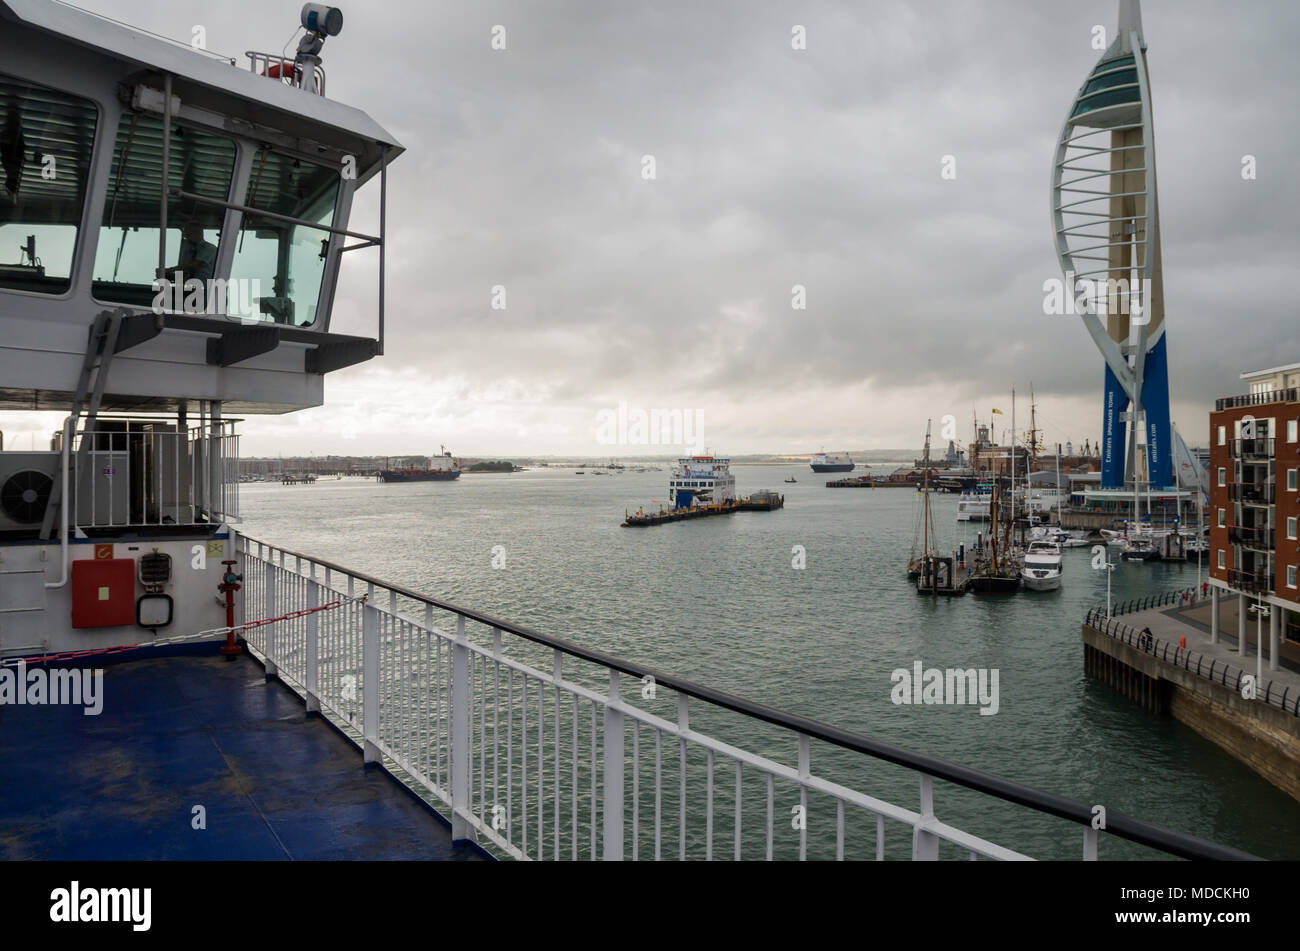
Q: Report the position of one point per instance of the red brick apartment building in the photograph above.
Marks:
(1255, 502)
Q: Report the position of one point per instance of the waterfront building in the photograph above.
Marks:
(1255, 505)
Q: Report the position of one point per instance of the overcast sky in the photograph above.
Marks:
(774, 167)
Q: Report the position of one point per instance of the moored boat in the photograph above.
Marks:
(1042, 568)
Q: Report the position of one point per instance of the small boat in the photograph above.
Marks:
(1065, 538)
(792, 479)
(1140, 548)
(1042, 568)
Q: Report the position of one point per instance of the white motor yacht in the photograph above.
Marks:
(1042, 566)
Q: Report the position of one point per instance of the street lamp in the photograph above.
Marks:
(1110, 566)
(1261, 611)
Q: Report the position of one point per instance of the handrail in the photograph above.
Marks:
(1119, 824)
(1288, 395)
(1128, 635)
(64, 532)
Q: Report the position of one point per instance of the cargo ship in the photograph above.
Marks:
(441, 468)
(835, 462)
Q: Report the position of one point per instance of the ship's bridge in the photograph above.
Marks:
(216, 286)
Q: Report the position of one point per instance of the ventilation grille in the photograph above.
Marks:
(25, 494)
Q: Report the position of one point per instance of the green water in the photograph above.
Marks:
(718, 601)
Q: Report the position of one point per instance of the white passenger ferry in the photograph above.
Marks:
(701, 480)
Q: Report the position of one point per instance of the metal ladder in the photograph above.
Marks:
(100, 349)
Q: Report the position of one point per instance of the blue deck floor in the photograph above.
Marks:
(177, 732)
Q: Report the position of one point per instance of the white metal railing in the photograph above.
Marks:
(537, 750)
(138, 472)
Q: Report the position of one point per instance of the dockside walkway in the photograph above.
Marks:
(1219, 660)
(1232, 699)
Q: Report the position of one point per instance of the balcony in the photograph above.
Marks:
(1250, 581)
(1252, 493)
(1290, 395)
(132, 473)
(1249, 537)
(1258, 448)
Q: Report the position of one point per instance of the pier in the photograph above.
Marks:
(944, 576)
(754, 503)
(1210, 685)
(853, 482)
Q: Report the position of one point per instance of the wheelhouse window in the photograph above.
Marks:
(285, 262)
(126, 261)
(46, 143)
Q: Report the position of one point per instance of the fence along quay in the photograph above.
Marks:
(533, 747)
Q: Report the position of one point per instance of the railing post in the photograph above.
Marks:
(369, 684)
(460, 755)
(1089, 844)
(804, 763)
(925, 845)
(272, 671)
(614, 768)
(312, 672)
(1214, 615)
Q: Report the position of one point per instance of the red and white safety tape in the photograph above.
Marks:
(177, 638)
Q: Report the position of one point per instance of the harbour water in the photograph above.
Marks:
(719, 601)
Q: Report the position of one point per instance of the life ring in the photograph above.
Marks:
(283, 71)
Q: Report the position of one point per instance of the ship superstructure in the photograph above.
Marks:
(441, 468)
(701, 480)
(831, 462)
(182, 224)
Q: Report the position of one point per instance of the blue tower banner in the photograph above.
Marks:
(1113, 446)
(1155, 404)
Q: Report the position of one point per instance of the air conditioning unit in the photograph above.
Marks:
(26, 481)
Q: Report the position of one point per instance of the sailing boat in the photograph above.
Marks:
(996, 576)
(1143, 542)
(934, 574)
(915, 561)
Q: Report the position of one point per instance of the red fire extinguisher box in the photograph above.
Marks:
(103, 592)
